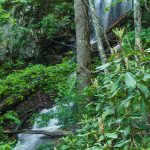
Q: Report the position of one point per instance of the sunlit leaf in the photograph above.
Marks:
(115, 85)
(146, 77)
(130, 80)
(144, 89)
(122, 143)
(111, 135)
(102, 67)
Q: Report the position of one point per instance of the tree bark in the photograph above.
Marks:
(83, 45)
(99, 30)
(137, 24)
(56, 134)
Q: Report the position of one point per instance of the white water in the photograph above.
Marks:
(32, 141)
(114, 11)
(110, 15)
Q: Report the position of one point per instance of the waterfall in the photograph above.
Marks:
(110, 10)
(32, 141)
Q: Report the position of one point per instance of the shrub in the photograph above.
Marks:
(119, 116)
(58, 21)
(22, 83)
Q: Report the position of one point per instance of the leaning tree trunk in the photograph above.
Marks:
(82, 44)
(99, 32)
(137, 23)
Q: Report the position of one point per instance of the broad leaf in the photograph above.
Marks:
(126, 131)
(144, 89)
(122, 143)
(125, 103)
(130, 80)
(111, 135)
(148, 50)
(102, 67)
(143, 107)
(115, 85)
(146, 77)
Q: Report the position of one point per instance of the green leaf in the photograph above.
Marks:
(2, 1)
(146, 77)
(98, 107)
(126, 131)
(115, 85)
(126, 103)
(130, 80)
(119, 32)
(102, 67)
(144, 89)
(111, 135)
(143, 107)
(122, 143)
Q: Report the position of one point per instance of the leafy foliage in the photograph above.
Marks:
(9, 67)
(20, 84)
(119, 118)
(47, 146)
(58, 21)
(10, 118)
(25, 24)
(128, 40)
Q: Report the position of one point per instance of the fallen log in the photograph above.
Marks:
(56, 134)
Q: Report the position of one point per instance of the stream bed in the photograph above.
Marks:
(32, 141)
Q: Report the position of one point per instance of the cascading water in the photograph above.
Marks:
(32, 141)
(109, 11)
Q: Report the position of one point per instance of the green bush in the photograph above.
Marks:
(129, 39)
(9, 118)
(47, 146)
(9, 67)
(22, 83)
(58, 21)
(118, 118)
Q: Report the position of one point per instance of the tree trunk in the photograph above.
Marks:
(99, 30)
(56, 134)
(137, 24)
(83, 45)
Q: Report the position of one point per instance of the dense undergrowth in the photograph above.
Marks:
(118, 118)
(32, 78)
(16, 86)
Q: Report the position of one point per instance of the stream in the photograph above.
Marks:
(32, 141)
